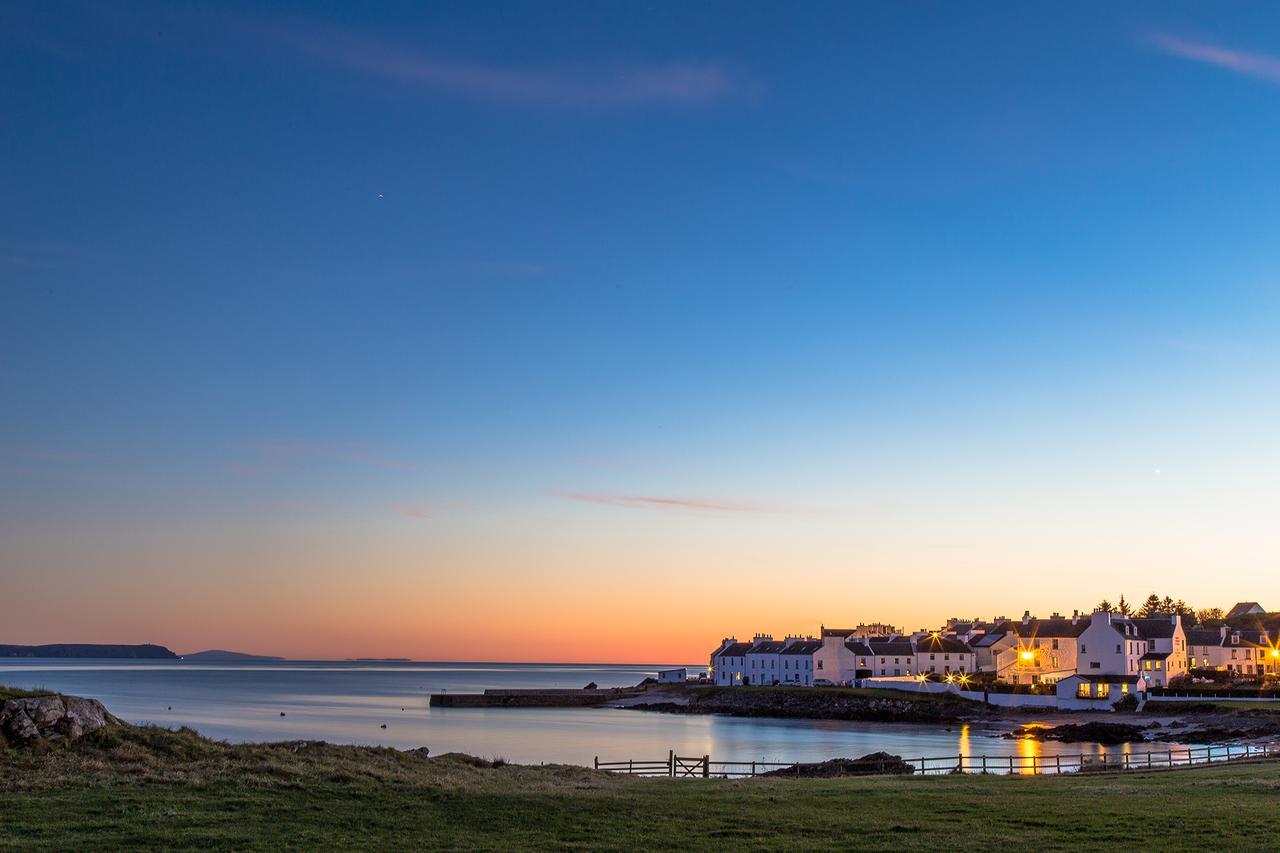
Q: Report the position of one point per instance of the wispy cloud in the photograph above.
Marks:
(1263, 66)
(666, 503)
(276, 456)
(671, 83)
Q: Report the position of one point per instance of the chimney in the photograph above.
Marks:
(1173, 618)
(1026, 617)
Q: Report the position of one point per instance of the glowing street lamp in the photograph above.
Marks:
(1027, 655)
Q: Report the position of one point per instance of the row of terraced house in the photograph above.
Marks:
(1100, 648)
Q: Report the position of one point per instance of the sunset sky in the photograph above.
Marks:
(599, 331)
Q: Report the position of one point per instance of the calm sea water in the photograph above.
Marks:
(348, 702)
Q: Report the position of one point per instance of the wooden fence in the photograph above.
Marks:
(679, 767)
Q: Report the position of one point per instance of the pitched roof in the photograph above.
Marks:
(899, 647)
(1244, 608)
(859, 649)
(767, 647)
(988, 640)
(837, 632)
(1047, 628)
(950, 645)
(1155, 655)
(1156, 627)
(736, 650)
(1204, 637)
(804, 647)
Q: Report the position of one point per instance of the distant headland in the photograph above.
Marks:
(223, 654)
(87, 650)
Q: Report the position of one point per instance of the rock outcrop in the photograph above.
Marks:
(51, 718)
(810, 703)
(875, 764)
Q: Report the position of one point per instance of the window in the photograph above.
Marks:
(1083, 691)
(1093, 664)
(1055, 645)
(1083, 649)
(819, 664)
(1104, 690)
(1120, 646)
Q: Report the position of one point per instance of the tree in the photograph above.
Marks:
(1166, 605)
(1209, 614)
(1150, 607)
(1104, 606)
(1123, 607)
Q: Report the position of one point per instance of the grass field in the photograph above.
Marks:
(153, 789)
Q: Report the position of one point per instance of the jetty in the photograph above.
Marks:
(533, 698)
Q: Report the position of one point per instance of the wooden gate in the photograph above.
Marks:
(683, 766)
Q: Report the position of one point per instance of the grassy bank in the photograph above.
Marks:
(153, 789)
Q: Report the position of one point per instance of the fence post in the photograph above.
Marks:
(753, 770)
(1010, 765)
(960, 763)
(1170, 756)
(597, 762)
(706, 766)
(630, 766)
(1126, 761)
(671, 763)
(1035, 771)
(1058, 761)
(984, 763)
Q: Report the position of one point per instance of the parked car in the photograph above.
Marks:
(823, 682)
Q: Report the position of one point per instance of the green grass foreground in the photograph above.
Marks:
(149, 788)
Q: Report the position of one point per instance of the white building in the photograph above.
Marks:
(943, 656)
(1081, 692)
(1245, 652)
(763, 665)
(673, 676)
(729, 662)
(1166, 657)
(1110, 645)
(798, 661)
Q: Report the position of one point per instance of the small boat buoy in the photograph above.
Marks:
(384, 725)
(170, 707)
(282, 713)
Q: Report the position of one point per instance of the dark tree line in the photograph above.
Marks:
(1157, 606)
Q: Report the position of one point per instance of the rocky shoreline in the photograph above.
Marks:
(51, 718)
(809, 704)
(1218, 728)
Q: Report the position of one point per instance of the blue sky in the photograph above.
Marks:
(729, 290)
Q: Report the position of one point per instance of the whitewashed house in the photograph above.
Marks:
(891, 656)
(834, 660)
(943, 656)
(763, 665)
(1081, 692)
(673, 676)
(1110, 645)
(1035, 651)
(798, 661)
(1246, 652)
(1166, 657)
(729, 662)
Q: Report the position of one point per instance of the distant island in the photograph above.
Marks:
(381, 660)
(87, 650)
(223, 654)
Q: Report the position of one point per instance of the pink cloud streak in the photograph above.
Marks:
(674, 83)
(1260, 65)
(711, 505)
